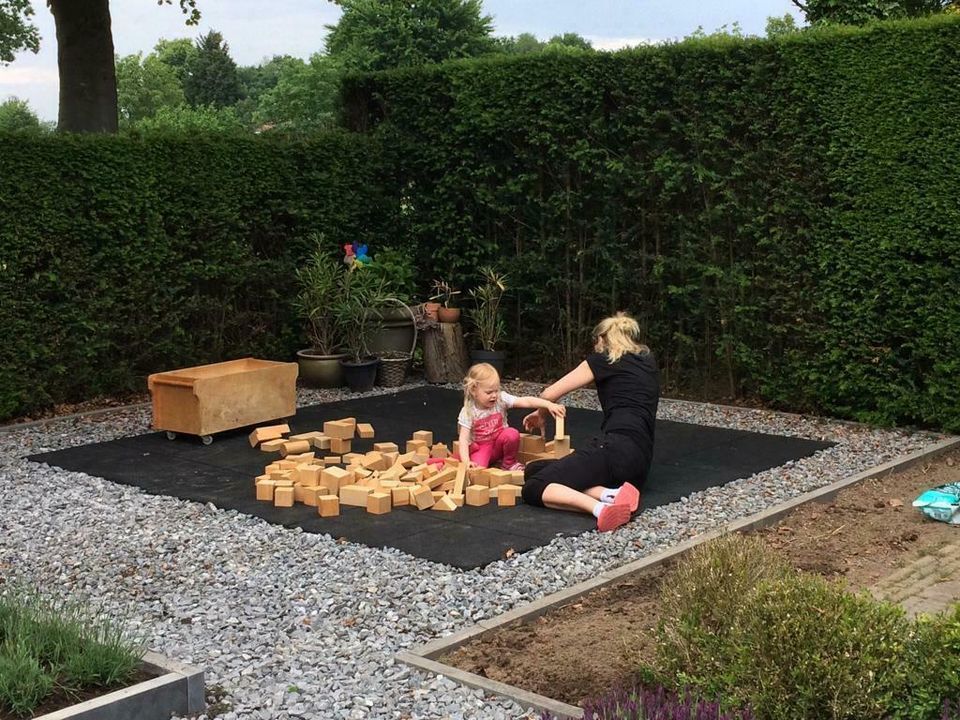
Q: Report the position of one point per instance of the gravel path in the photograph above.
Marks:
(295, 625)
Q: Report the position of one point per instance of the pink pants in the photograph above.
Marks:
(503, 447)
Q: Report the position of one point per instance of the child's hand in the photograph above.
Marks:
(534, 421)
(558, 411)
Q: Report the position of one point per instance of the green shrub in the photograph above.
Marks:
(933, 662)
(24, 683)
(807, 648)
(46, 643)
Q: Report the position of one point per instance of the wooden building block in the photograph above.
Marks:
(478, 495)
(270, 432)
(278, 475)
(265, 490)
(507, 495)
(294, 447)
(496, 476)
(391, 456)
(385, 447)
(308, 436)
(351, 458)
(310, 495)
(354, 495)
(287, 464)
(331, 460)
(400, 496)
(460, 479)
(411, 477)
(340, 429)
(321, 442)
(297, 493)
(414, 445)
(425, 435)
(379, 503)
(516, 477)
(559, 431)
(329, 505)
(422, 497)
(445, 504)
(336, 477)
(439, 450)
(388, 484)
(458, 499)
(456, 448)
(365, 431)
(448, 486)
(532, 444)
(561, 446)
(340, 445)
(283, 496)
(437, 494)
(309, 475)
(478, 476)
(273, 445)
(374, 460)
(440, 478)
(301, 458)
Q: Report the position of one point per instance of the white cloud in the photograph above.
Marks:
(13, 75)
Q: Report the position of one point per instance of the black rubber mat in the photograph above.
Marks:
(687, 458)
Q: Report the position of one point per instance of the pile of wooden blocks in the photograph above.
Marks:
(321, 470)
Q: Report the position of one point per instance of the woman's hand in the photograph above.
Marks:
(535, 420)
(558, 411)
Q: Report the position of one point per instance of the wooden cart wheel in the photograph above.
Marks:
(206, 439)
(171, 435)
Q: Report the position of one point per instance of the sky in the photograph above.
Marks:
(258, 29)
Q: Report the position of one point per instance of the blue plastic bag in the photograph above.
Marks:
(941, 503)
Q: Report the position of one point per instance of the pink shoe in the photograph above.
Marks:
(516, 467)
(629, 496)
(612, 517)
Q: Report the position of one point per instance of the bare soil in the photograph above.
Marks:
(578, 651)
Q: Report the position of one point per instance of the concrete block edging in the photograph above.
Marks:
(177, 689)
(425, 656)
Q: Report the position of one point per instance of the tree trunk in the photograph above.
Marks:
(445, 357)
(88, 79)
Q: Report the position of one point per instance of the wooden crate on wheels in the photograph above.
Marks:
(209, 399)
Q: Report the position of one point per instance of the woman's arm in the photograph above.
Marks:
(579, 377)
(535, 402)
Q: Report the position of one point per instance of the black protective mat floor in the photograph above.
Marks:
(687, 458)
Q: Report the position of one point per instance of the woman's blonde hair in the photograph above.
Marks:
(477, 374)
(619, 335)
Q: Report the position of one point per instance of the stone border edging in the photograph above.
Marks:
(12, 427)
(178, 689)
(425, 656)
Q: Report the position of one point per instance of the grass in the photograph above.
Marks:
(49, 646)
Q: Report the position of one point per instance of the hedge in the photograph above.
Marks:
(121, 256)
(781, 214)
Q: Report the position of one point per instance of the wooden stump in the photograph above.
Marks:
(445, 354)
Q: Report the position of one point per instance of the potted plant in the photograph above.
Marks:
(489, 327)
(360, 291)
(394, 333)
(320, 282)
(446, 294)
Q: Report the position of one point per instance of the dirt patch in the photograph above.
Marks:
(577, 651)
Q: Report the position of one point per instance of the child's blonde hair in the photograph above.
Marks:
(481, 372)
(619, 335)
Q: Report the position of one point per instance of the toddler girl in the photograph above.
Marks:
(485, 437)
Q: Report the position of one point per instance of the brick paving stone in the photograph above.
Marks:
(927, 585)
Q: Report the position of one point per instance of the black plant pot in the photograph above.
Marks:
(494, 357)
(360, 376)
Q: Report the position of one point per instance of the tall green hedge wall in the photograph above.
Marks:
(122, 256)
(782, 215)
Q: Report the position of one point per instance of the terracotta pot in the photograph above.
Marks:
(448, 314)
(431, 308)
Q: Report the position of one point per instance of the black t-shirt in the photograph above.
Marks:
(629, 392)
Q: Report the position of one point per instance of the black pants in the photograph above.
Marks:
(607, 461)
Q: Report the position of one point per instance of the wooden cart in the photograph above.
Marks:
(209, 399)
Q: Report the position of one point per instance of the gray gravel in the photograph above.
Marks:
(295, 625)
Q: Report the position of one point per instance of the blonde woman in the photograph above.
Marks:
(604, 478)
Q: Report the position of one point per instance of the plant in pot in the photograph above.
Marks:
(446, 294)
(395, 333)
(488, 325)
(320, 282)
(360, 291)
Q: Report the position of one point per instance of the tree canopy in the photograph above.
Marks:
(16, 31)
(860, 12)
(383, 34)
